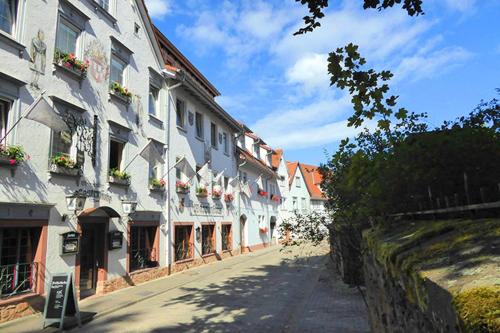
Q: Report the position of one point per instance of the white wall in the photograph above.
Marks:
(32, 181)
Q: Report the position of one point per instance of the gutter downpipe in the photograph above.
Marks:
(169, 219)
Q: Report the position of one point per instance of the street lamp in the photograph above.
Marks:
(129, 207)
(75, 202)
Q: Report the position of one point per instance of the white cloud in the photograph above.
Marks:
(158, 8)
(310, 71)
(461, 5)
(429, 65)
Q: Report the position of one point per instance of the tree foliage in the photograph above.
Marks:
(316, 8)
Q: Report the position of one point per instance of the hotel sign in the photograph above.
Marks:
(205, 209)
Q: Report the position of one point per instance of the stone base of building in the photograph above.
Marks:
(256, 247)
(134, 278)
(190, 263)
(20, 306)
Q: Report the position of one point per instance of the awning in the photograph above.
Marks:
(103, 211)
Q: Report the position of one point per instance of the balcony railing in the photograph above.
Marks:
(17, 278)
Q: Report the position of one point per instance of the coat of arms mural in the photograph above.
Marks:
(98, 61)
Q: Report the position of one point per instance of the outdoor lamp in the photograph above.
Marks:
(198, 233)
(129, 207)
(75, 202)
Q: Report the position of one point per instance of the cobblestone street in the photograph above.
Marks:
(274, 292)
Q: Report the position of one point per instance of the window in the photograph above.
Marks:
(137, 28)
(156, 170)
(104, 4)
(213, 135)
(226, 237)
(67, 37)
(180, 111)
(199, 125)
(183, 244)
(207, 239)
(115, 154)
(117, 71)
(297, 181)
(62, 143)
(17, 254)
(226, 183)
(143, 252)
(294, 203)
(243, 176)
(304, 203)
(8, 13)
(154, 93)
(225, 143)
(4, 117)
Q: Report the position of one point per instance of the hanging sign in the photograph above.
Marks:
(61, 301)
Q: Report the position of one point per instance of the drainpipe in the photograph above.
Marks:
(167, 140)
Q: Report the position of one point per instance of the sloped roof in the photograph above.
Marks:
(313, 179)
(292, 168)
(246, 155)
(276, 158)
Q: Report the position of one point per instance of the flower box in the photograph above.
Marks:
(71, 64)
(228, 197)
(263, 230)
(201, 192)
(68, 69)
(157, 188)
(120, 93)
(120, 98)
(119, 181)
(262, 193)
(216, 196)
(182, 187)
(61, 170)
(216, 192)
(6, 160)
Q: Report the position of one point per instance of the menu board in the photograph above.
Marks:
(61, 300)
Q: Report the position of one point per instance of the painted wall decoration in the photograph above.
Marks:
(38, 55)
(139, 112)
(95, 54)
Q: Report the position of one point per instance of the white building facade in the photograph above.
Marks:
(100, 69)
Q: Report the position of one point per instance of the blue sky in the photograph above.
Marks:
(444, 62)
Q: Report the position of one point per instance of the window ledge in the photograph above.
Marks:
(62, 171)
(227, 154)
(184, 261)
(17, 298)
(77, 75)
(158, 189)
(182, 129)
(12, 42)
(99, 8)
(118, 181)
(156, 119)
(119, 98)
(209, 255)
(142, 270)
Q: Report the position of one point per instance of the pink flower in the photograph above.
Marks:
(12, 161)
(67, 64)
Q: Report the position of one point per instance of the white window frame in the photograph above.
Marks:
(65, 21)
(225, 143)
(297, 181)
(182, 112)
(125, 69)
(122, 158)
(214, 143)
(156, 103)
(15, 16)
(256, 149)
(5, 108)
(199, 116)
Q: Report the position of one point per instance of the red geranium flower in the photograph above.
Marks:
(12, 161)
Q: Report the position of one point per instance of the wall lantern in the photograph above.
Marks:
(75, 202)
(129, 207)
(198, 233)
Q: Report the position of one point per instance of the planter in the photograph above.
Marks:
(157, 188)
(119, 181)
(216, 197)
(60, 170)
(182, 190)
(119, 97)
(75, 73)
(6, 161)
(202, 194)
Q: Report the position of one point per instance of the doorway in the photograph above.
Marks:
(92, 255)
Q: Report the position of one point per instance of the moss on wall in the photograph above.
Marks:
(479, 309)
(461, 256)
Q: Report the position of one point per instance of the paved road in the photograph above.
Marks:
(275, 292)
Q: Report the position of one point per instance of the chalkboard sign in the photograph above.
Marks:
(61, 300)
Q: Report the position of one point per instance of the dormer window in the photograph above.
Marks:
(256, 150)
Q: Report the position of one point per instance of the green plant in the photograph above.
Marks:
(119, 89)
(157, 182)
(69, 60)
(16, 154)
(63, 160)
(119, 174)
(201, 190)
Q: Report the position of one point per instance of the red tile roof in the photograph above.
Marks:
(292, 168)
(313, 179)
(276, 158)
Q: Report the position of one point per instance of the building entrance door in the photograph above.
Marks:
(92, 247)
